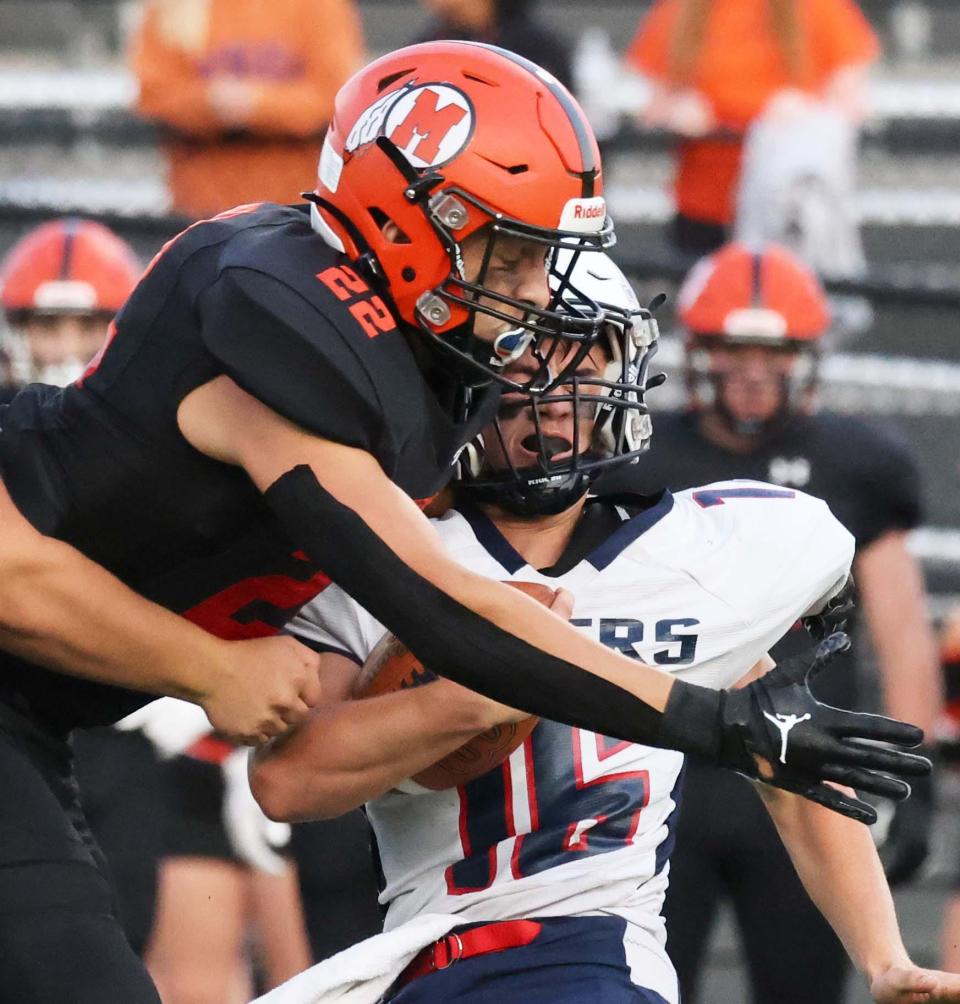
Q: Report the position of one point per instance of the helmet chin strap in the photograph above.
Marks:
(532, 493)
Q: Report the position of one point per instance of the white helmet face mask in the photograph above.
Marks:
(612, 400)
(26, 368)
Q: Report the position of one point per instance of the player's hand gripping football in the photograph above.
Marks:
(777, 731)
(264, 687)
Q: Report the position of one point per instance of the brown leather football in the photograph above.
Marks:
(392, 666)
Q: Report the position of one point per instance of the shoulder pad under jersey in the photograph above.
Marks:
(766, 549)
(293, 352)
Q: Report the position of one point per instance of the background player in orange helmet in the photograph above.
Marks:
(716, 64)
(754, 320)
(60, 286)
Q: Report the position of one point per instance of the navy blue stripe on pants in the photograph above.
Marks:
(574, 960)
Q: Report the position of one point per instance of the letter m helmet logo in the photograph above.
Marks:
(431, 124)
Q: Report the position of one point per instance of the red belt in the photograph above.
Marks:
(465, 944)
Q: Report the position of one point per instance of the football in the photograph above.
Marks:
(392, 666)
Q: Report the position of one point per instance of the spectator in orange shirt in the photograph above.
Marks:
(716, 66)
(245, 90)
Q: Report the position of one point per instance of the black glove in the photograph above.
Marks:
(908, 840)
(803, 742)
(836, 613)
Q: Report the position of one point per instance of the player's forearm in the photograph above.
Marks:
(351, 752)
(837, 862)
(894, 604)
(62, 610)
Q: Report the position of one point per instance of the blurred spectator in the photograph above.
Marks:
(754, 321)
(245, 89)
(60, 285)
(717, 65)
(507, 23)
(229, 916)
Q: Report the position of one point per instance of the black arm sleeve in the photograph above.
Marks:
(454, 640)
(289, 354)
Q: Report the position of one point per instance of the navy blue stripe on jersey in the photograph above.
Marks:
(665, 848)
(500, 549)
(621, 539)
(493, 541)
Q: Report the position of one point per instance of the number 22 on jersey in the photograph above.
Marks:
(368, 309)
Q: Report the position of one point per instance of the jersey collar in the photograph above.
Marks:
(503, 552)
(630, 531)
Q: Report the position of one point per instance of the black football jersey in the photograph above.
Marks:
(257, 295)
(865, 474)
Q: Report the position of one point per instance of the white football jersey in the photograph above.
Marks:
(701, 585)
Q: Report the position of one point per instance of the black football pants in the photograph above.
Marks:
(727, 846)
(60, 940)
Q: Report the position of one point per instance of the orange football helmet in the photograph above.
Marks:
(444, 139)
(753, 297)
(68, 266)
(740, 296)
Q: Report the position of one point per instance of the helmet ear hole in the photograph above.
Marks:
(388, 227)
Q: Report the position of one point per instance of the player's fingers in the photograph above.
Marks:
(311, 690)
(867, 780)
(563, 602)
(858, 725)
(846, 805)
(272, 727)
(878, 758)
(831, 646)
(245, 738)
(294, 714)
